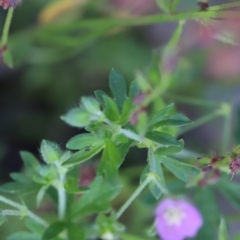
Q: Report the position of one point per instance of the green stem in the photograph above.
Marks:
(226, 131)
(61, 198)
(202, 121)
(28, 213)
(11, 212)
(133, 196)
(6, 27)
(192, 101)
(174, 5)
(138, 21)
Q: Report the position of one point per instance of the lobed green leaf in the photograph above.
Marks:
(181, 170)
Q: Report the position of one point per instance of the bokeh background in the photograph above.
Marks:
(52, 70)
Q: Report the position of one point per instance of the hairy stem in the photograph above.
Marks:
(22, 208)
(61, 198)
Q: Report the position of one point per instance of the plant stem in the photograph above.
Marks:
(6, 26)
(192, 101)
(201, 121)
(61, 198)
(132, 197)
(30, 214)
(226, 136)
(131, 135)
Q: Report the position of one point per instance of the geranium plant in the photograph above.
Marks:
(83, 178)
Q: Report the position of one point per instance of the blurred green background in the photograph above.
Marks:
(57, 60)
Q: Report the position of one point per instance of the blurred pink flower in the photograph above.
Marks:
(136, 7)
(87, 174)
(224, 62)
(137, 101)
(9, 3)
(177, 219)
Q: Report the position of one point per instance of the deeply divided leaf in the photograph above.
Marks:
(181, 170)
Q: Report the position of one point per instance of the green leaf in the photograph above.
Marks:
(29, 160)
(222, 230)
(154, 167)
(96, 199)
(15, 187)
(162, 138)
(118, 88)
(71, 185)
(34, 226)
(169, 150)
(90, 104)
(19, 177)
(142, 122)
(41, 194)
(24, 236)
(163, 4)
(99, 95)
(110, 109)
(84, 155)
(134, 89)
(2, 219)
(110, 162)
(126, 112)
(142, 82)
(76, 117)
(7, 58)
(127, 236)
(75, 232)
(124, 148)
(176, 119)
(181, 170)
(160, 114)
(81, 141)
(53, 230)
(50, 151)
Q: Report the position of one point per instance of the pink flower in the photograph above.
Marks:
(87, 175)
(177, 219)
(9, 3)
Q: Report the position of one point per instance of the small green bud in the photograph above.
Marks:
(50, 151)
